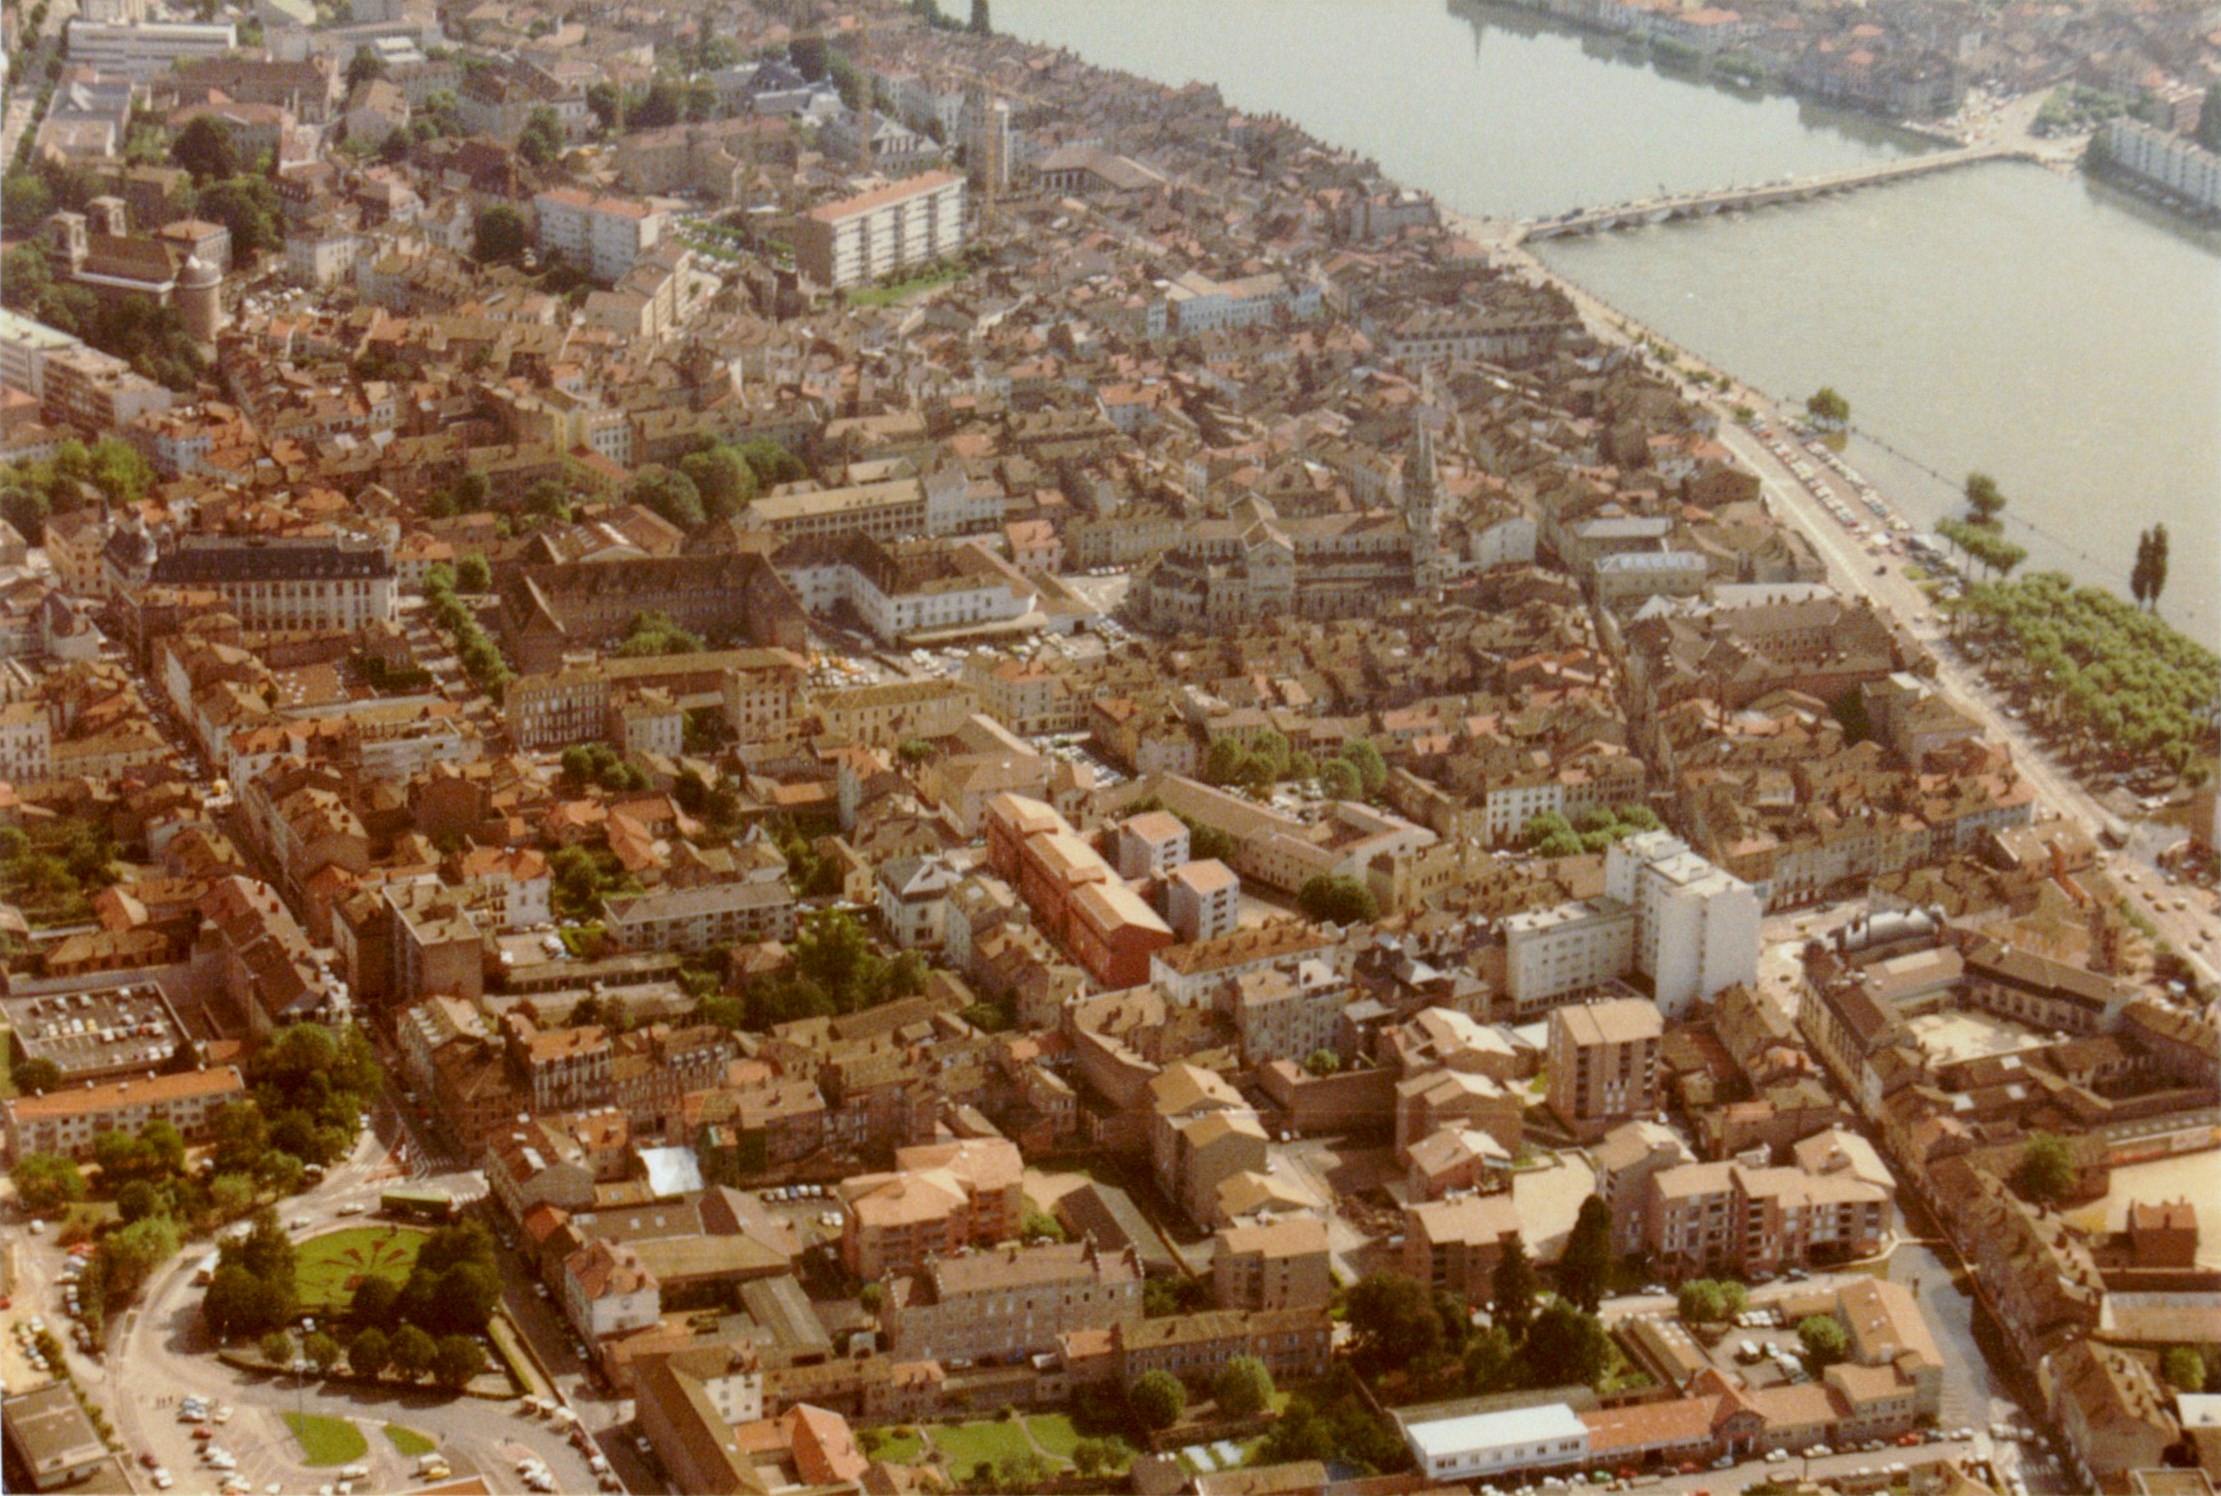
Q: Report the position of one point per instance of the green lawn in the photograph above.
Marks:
(327, 1441)
(966, 1445)
(331, 1266)
(409, 1442)
(1055, 1434)
(888, 295)
(905, 1448)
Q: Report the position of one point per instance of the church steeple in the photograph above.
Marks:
(1423, 504)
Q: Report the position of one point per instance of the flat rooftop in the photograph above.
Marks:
(88, 1034)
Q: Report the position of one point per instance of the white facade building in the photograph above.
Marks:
(145, 48)
(1565, 950)
(606, 235)
(1483, 1444)
(1696, 926)
(859, 239)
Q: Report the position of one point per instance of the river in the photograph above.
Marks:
(2048, 330)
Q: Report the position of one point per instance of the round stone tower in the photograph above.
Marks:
(200, 299)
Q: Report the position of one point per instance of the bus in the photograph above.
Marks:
(418, 1205)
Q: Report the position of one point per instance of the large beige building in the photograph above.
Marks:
(1010, 1301)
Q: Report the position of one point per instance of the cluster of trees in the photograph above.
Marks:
(2096, 663)
(1258, 763)
(74, 476)
(586, 765)
(835, 970)
(657, 634)
(715, 482)
(583, 876)
(451, 1290)
(1332, 1422)
(52, 869)
(475, 649)
(1337, 899)
(1825, 1340)
(499, 236)
(256, 1288)
(1552, 835)
(1709, 1301)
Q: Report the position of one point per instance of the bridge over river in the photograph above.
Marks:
(1733, 199)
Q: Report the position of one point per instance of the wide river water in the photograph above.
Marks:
(2051, 331)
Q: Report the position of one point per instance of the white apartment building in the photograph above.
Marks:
(25, 347)
(2175, 162)
(1203, 900)
(859, 239)
(1696, 926)
(606, 235)
(320, 254)
(1568, 949)
(1476, 1445)
(144, 48)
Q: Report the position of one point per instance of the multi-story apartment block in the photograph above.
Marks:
(1696, 927)
(1566, 950)
(1279, 1263)
(563, 1070)
(1726, 1215)
(940, 1199)
(703, 918)
(1604, 1062)
(1010, 1301)
(604, 235)
(437, 947)
(859, 239)
(67, 1121)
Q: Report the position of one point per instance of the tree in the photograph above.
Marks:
(364, 67)
(139, 1199)
(1039, 1225)
(671, 494)
(376, 1301)
(500, 235)
(44, 1181)
(411, 1352)
(1985, 502)
(1227, 762)
(248, 206)
(981, 24)
(607, 101)
(2047, 1170)
(1243, 1386)
(1701, 1302)
(1340, 780)
(369, 1353)
(1338, 899)
(1585, 1267)
(1157, 1399)
(1395, 1322)
(723, 478)
(322, 1351)
(541, 141)
(38, 1075)
(472, 574)
(128, 1257)
(1491, 1362)
(661, 106)
(1566, 1346)
(2184, 1368)
(455, 1360)
(1372, 769)
(1825, 1339)
(1323, 1062)
(231, 1196)
(1511, 1289)
(205, 149)
(276, 1347)
(870, 1298)
(2148, 578)
(1828, 408)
